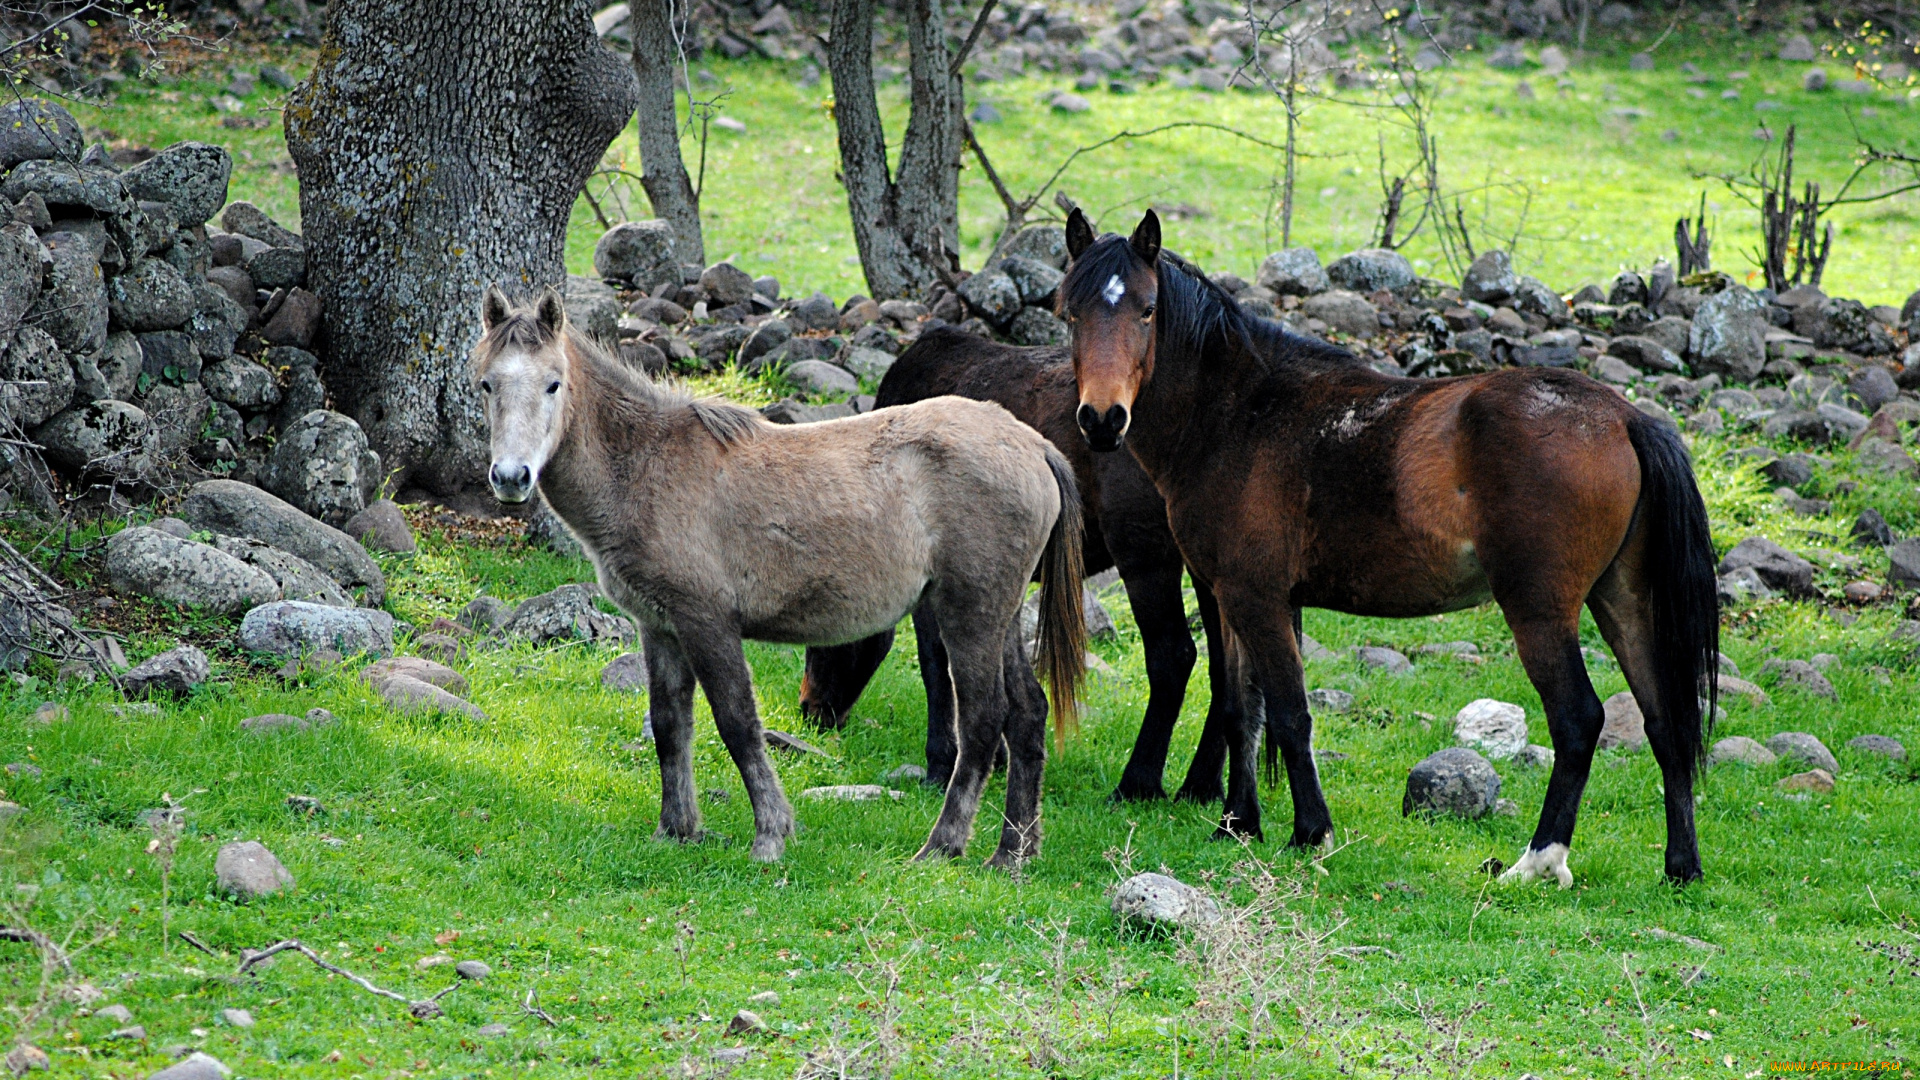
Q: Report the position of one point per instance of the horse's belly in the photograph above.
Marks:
(829, 612)
(1421, 583)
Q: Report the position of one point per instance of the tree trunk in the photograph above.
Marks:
(440, 146)
(906, 225)
(669, 190)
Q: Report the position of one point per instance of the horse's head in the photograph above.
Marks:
(1108, 300)
(522, 369)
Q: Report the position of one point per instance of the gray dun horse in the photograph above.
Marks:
(709, 525)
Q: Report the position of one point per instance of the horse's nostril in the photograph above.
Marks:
(1117, 419)
(1087, 417)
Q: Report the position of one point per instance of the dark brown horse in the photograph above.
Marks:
(1297, 477)
(1126, 523)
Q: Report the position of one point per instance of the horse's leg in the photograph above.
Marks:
(941, 714)
(837, 675)
(670, 683)
(1223, 708)
(1263, 624)
(1549, 648)
(1026, 742)
(718, 660)
(1154, 593)
(975, 650)
(1625, 615)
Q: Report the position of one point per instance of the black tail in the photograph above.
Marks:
(1063, 619)
(1680, 574)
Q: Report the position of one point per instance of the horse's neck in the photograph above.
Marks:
(608, 439)
(1192, 393)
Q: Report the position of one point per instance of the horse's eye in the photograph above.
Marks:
(486, 387)
(1148, 313)
(555, 388)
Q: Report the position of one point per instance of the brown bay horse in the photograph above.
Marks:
(1126, 528)
(1295, 476)
(710, 525)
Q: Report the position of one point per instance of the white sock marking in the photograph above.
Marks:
(1550, 861)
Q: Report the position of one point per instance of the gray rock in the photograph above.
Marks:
(485, 615)
(1159, 901)
(294, 577)
(472, 969)
(493, 1031)
(408, 694)
(195, 1066)
(180, 414)
(298, 372)
(249, 220)
(1874, 386)
(191, 177)
(869, 364)
(1880, 456)
(1842, 423)
(1038, 326)
(1741, 585)
(169, 355)
(174, 672)
(1779, 568)
(23, 268)
(848, 792)
(1739, 750)
(1036, 280)
(1625, 727)
(82, 187)
(236, 283)
(241, 383)
(640, 252)
(239, 1018)
(1740, 403)
(1834, 323)
(147, 562)
(1535, 756)
(118, 1014)
(1791, 470)
(1798, 746)
(1491, 280)
(150, 295)
(992, 295)
(1882, 745)
(323, 465)
(1729, 335)
(593, 308)
(1293, 272)
(1344, 311)
(278, 268)
(217, 321)
(273, 724)
(112, 374)
(41, 376)
(73, 304)
(820, 377)
(382, 526)
(109, 438)
(727, 284)
(1370, 270)
(1041, 243)
(1627, 287)
(1496, 728)
(1614, 370)
(1644, 353)
(565, 614)
(31, 130)
(299, 627)
(1531, 296)
(626, 673)
(1454, 781)
(764, 339)
(1384, 659)
(246, 870)
(1801, 674)
(816, 312)
(1329, 701)
(295, 322)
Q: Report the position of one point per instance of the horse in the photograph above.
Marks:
(708, 524)
(1296, 476)
(1126, 527)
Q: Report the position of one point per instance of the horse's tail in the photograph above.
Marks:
(1063, 621)
(1681, 587)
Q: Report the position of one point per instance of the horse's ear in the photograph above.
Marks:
(1146, 238)
(551, 310)
(1079, 233)
(493, 308)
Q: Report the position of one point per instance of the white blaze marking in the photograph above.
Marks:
(1550, 861)
(1114, 291)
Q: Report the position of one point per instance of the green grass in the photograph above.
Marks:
(1605, 181)
(531, 835)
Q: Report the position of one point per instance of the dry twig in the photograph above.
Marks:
(425, 1009)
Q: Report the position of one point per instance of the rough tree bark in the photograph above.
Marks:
(440, 146)
(669, 189)
(906, 225)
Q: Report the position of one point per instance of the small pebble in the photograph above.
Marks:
(119, 1014)
(765, 997)
(746, 1021)
(434, 961)
(134, 1032)
(50, 712)
(493, 1031)
(239, 1018)
(1819, 781)
(472, 969)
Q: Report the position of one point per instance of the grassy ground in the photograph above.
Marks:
(1607, 164)
(529, 835)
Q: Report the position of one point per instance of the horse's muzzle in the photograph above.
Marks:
(511, 483)
(1103, 430)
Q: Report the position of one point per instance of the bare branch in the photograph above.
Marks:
(979, 24)
(422, 1010)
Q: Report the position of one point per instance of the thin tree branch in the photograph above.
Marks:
(425, 1009)
(979, 24)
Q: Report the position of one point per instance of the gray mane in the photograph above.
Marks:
(726, 421)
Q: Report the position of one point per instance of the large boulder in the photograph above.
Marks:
(1042, 243)
(992, 295)
(299, 627)
(174, 672)
(149, 295)
(639, 252)
(323, 465)
(1344, 311)
(241, 383)
(1491, 280)
(110, 438)
(565, 614)
(295, 577)
(147, 562)
(40, 373)
(235, 509)
(246, 870)
(1729, 335)
(73, 305)
(1158, 901)
(31, 129)
(91, 189)
(1293, 272)
(1454, 781)
(1370, 270)
(1037, 281)
(191, 177)
(1799, 746)
(1779, 568)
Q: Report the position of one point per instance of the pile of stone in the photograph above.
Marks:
(143, 342)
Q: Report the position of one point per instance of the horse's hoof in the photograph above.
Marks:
(1127, 793)
(768, 848)
(931, 851)
(696, 836)
(1004, 859)
(1319, 839)
(1547, 862)
(1684, 875)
